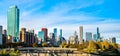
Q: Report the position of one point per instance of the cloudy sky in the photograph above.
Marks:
(67, 15)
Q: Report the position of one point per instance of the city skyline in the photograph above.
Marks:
(69, 18)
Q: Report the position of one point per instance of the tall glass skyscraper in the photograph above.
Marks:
(45, 30)
(98, 34)
(60, 32)
(41, 35)
(1, 39)
(95, 37)
(13, 23)
(55, 32)
(88, 36)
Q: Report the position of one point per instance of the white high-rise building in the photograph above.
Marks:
(81, 34)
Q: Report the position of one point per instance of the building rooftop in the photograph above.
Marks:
(13, 6)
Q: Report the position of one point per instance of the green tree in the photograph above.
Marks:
(92, 46)
(63, 44)
(85, 44)
(105, 45)
(99, 44)
(114, 46)
(72, 46)
(80, 46)
(44, 44)
(118, 45)
(4, 51)
(34, 45)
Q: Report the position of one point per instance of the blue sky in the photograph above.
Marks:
(67, 15)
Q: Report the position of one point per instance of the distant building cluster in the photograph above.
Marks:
(12, 34)
(88, 37)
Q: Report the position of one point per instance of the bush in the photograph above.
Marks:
(63, 44)
(34, 45)
(4, 51)
(44, 44)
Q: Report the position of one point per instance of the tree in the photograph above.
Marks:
(92, 46)
(99, 44)
(4, 51)
(114, 46)
(80, 47)
(63, 44)
(118, 45)
(105, 45)
(34, 45)
(44, 44)
(85, 44)
(72, 46)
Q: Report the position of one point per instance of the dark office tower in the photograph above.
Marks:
(4, 35)
(98, 34)
(1, 40)
(30, 37)
(81, 34)
(4, 32)
(55, 32)
(13, 23)
(31, 34)
(45, 33)
(35, 39)
(97, 30)
(113, 40)
(60, 32)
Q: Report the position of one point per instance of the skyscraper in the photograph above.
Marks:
(35, 39)
(23, 35)
(81, 34)
(55, 32)
(98, 34)
(60, 32)
(30, 38)
(52, 38)
(88, 36)
(51, 35)
(45, 33)
(95, 37)
(4, 36)
(76, 37)
(41, 36)
(113, 40)
(1, 35)
(13, 23)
